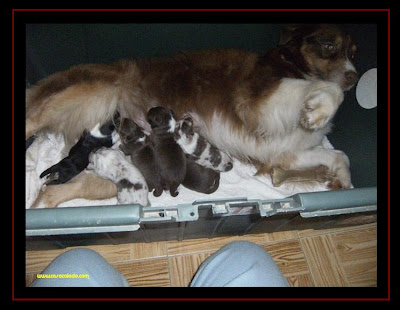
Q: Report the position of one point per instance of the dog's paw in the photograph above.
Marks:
(340, 176)
(319, 107)
(337, 184)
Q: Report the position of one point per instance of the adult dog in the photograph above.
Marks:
(271, 110)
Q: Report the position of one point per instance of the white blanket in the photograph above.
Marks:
(46, 151)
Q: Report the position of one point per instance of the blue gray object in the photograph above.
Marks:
(366, 90)
(239, 264)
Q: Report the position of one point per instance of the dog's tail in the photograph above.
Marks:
(76, 100)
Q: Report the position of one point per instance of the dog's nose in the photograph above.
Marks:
(351, 77)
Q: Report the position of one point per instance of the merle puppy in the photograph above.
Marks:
(169, 156)
(200, 179)
(113, 165)
(199, 149)
(136, 143)
(78, 157)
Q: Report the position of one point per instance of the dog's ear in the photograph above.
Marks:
(287, 33)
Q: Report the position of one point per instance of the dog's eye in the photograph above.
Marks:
(328, 47)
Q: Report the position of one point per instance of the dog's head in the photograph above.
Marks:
(160, 117)
(130, 132)
(320, 52)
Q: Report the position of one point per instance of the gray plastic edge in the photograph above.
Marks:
(82, 219)
(116, 218)
(337, 202)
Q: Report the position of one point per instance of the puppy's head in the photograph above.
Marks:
(160, 117)
(99, 161)
(320, 51)
(184, 130)
(130, 132)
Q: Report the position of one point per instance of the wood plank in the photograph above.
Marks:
(324, 265)
(152, 272)
(182, 268)
(357, 253)
(289, 257)
(354, 245)
(301, 280)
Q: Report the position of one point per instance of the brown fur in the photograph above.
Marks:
(85, 185)
(235, 85)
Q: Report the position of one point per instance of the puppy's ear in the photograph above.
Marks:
(188, 119)
(123, 126)
(172, 113)
(187, 127)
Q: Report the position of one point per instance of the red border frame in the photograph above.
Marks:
(201, 299)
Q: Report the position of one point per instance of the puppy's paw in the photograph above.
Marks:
(319, 107)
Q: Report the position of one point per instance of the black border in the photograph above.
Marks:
(19, 18)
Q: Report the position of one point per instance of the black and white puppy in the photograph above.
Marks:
(199, 149)
(112, 164)
(169, 156)
(200, 179)
(136, 144)
(78, 156)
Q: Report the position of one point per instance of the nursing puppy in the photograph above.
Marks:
(270, 110)
(136, 144)
(199, 149)
(168, 154)
(113, 165)
(200, 179)
(78, 157)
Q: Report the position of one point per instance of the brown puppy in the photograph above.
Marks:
(200, 179)
(169, 156)
(136, 143)
(271, 110)
(84, 185)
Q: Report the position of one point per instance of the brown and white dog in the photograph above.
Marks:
(271, 110)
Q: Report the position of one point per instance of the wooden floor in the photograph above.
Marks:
(341, 257)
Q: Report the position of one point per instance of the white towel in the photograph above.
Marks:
(47, 149)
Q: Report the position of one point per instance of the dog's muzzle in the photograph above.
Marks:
(350, 78)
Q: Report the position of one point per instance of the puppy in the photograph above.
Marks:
(136, 144)
(169, 156)
(78, 157)
(113, 165)
(85, 185)
(200, 179)
(199, 149)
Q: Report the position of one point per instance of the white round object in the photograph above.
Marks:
(366, 91)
